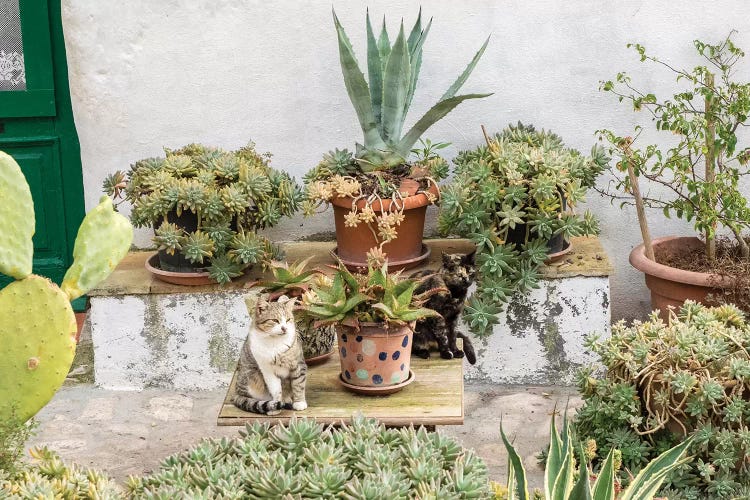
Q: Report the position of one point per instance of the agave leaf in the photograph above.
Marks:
(416, 32)
(356, 87)
(555, 457)
(386, 310)
(604, 486)
(465, 75)
(404, 292)
(416, 64)
(354, 301)
(435, 113)
(519, 487)
(374, 73)
(564, 481)
(395, 88)
(348, 277)
(416, 314)
(384, 44)
(582, 488)
(650, 478)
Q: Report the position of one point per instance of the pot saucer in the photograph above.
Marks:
(190, 279)
(555, 257)
(377, 391)
(319, 359)
(398, 265)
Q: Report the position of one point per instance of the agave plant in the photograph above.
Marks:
(382, 104)
(375, 298)
(560, 481)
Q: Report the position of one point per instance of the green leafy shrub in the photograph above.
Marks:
(231, 195)
(13, 436)
(522, 181)
(664, 382)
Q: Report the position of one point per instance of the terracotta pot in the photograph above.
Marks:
(403, 252)
(373, 356)
(671, 286)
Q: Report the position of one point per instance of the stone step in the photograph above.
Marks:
(147, 333)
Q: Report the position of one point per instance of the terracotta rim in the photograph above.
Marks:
(639, 261)
(554, 257)
(319, 359)
(378, 390)
(395, 265)
(190, 279)
(410, 202)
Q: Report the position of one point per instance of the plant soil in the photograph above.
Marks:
(373, 182)
(728, 264)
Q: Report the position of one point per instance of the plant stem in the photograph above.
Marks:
(641, 211)
(710, 166)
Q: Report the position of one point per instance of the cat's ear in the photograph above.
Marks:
(262, 304)
(283, 299)
(251, 301)
(470, 258)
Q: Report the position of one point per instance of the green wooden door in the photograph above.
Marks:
(36, 126)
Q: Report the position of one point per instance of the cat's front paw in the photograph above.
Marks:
(299, 405)
(446, 354)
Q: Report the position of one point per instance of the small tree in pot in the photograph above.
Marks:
(379, 196)
(374, 316)
(515, 198)
(701, 177)
(206, 206)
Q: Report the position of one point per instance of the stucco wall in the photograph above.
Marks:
(147, 74)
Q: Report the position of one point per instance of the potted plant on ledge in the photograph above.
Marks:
(698, 179)
(374, 316)
(206, 206)
(515, 197)
(380, 196)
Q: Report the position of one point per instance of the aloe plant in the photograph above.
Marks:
(383, 103)
(375, 298)
(560, 481)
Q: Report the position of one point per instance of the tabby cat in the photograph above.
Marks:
(456, 274)
(272, 371)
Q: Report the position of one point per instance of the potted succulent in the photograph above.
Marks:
(698, 177)
(374, 316)
(515, 197)
(206, 206)
(378, 194)
(293, 280)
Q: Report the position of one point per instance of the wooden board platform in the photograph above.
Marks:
(436, 397)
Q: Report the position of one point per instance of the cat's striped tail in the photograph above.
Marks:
(263, 407)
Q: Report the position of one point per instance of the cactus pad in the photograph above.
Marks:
(16, 220)
(37, 332)
(103, 240)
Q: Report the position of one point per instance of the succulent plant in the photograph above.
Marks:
(511, 196)
(230, 196)
(37, 324)
(666, 381)
(378, 297)
(565, 480)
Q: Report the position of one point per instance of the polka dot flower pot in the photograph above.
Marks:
(373, 356)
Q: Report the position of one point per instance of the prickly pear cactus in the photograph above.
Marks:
(103, 240)
(37, 324)
(37, 331)
(17, 219)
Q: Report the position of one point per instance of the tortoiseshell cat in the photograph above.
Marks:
(456, 274)
(272, 370)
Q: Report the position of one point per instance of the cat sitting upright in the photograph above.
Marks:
(272, 371)
(456, 274)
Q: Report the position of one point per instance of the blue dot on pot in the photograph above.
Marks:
(343, 352)
(396, 355)
(343, 337)
(403, 366)
(383, 356)
(359, 338)
(405, 342)
(347, 374)
(377, 379)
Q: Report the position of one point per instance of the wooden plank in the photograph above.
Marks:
(434, 398)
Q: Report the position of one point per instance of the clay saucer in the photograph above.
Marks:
(319, 359)
(375, 390)
(190, 279)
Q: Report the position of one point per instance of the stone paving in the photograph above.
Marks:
(127, 433)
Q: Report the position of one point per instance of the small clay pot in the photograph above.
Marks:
(374, 356)
(404, 252)
(671, 286)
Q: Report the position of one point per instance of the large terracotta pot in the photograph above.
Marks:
(671, 286)
(404, 252)
(373, 356)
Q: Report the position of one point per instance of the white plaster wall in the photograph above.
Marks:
(147, 74)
